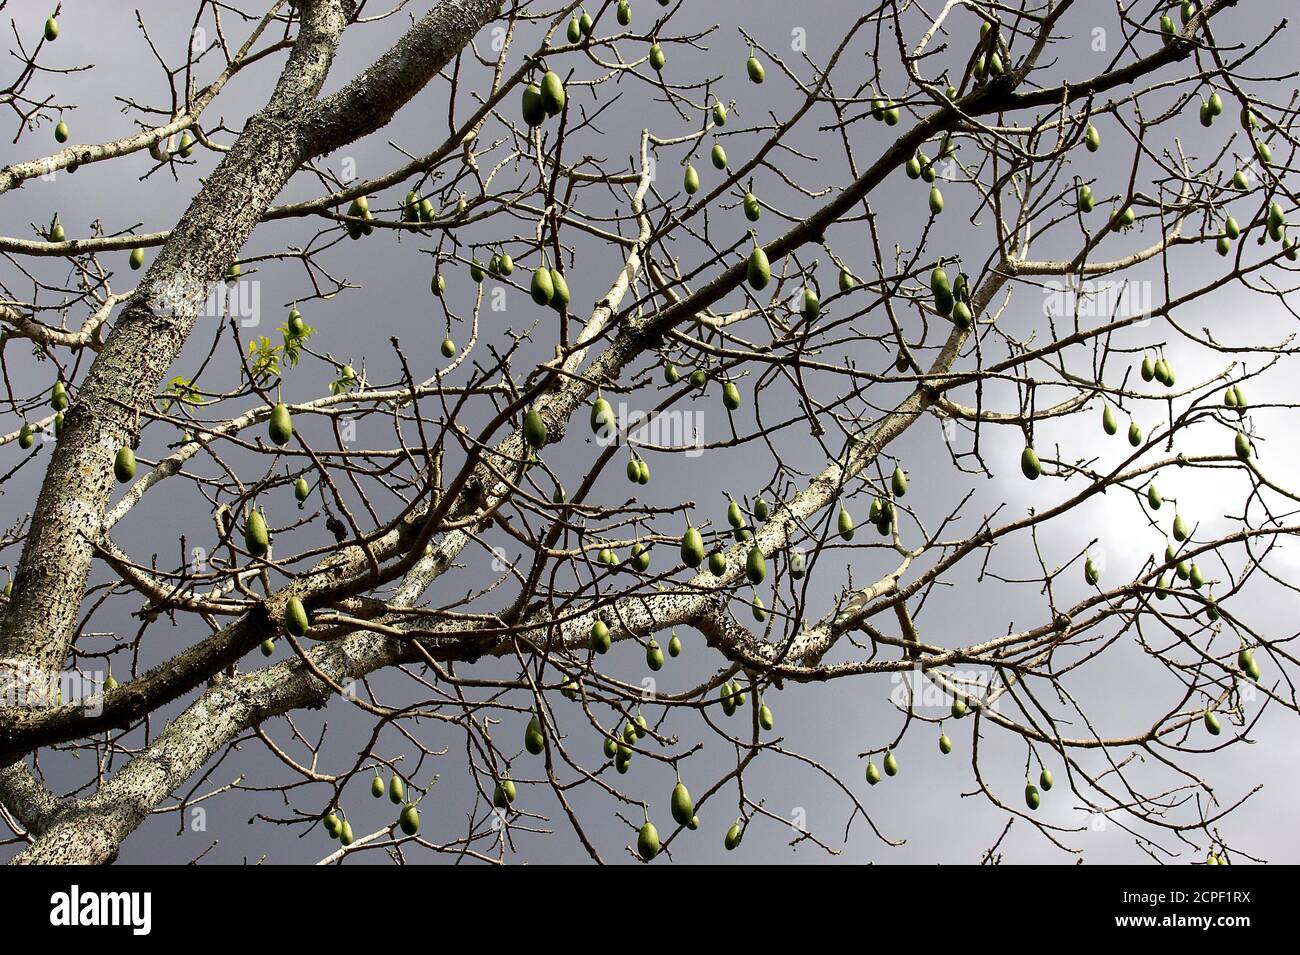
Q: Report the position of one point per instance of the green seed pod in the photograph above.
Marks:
(753, 211)
(718, 156)
(1092, 138)
(504, 794)
(812, 305)
(602, 416)
(1085, 201)
(123, 464)
(936, 200)
(691, 181)
(692, 547)
(534, 110)
(1109, 424)
(891, 763)
(1032, 799)
(719, 114)
(942, 291)
(682, 806)
(945, 744)
(1180, 528)
(51, 29)
(534, 429)
(301, 490)
(409, 820)
(657, 58)
(542, 287)
(961, 315)
(256, 538)
(345, 833)
(534, 741)
(1030, 466)
(844, 524)
(624, 12)
(958, 707)
(280, 429)
(757, 269)
(899, 482)
(732, 838)
(1241, 446)
(1154, 498)
(296, 620)
(1246, 661)
(1212, 723)
(873, 774)
(396, 790)
(755, 69)
(654, 656)
(675, 646)
(552, 93)
(755, 566)
(730, 396)
(1134, 434)
(1090, 572)
(600, 637)
(765, 718)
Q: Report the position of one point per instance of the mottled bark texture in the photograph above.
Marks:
(293, 128)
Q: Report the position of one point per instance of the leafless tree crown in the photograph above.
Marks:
(587, 558)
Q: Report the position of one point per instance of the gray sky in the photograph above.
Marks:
(932, 808)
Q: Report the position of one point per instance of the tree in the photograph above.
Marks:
(753, 295)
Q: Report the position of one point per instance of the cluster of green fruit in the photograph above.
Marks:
(921, 167)
(409, 817)
(620, 749)
(952, 300)
(1187, 10)
(417, 209)
(1032, 796)
(546, 99)
(358, 210)
(989, 62)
